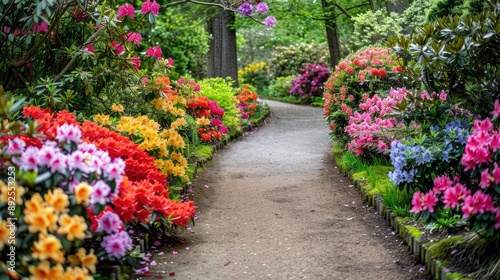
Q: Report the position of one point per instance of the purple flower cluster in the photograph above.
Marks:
(246, 9)
(310, 82)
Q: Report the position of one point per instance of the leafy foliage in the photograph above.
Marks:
(374, 27)
(287, 61)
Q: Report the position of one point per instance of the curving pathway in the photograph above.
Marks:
(272, 205)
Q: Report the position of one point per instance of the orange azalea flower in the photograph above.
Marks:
(44, 272)
(57, 199)
(117, 108)
(42, 221)
(81, 258)
(48, 247)
(82, 193)
(77, 273)
(74, 227)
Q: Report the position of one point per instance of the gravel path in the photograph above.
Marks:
(273, 205)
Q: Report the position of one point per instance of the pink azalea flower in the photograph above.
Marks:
(69, 133)
(497, 219)
(118, 48)
(430, 200)
(442, 96)
(89, 48)
(16, 146)
(495, 141)
(154, 51)
(58, 163)
(30, 159)
(100, 193)
(136, 62)
(126, 10)
(477, 204)
(170, 61)
(223, 129)
(442, 183)
(134, 37)
(417, 202)
(496, 109)
(149, 6)
(109, 222)
(483, 125)
(496, 173)
(117, 245)
(485, 179)
(41, 27)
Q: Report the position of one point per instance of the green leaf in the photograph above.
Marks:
(41, 178)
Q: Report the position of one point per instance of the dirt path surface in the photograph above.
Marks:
(273, 205)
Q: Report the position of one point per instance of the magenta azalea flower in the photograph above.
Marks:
(134, 37)
(89, 48)
(149, 6)
(136, 62)
(429, 201)
(126, 10)
(154, 51)
(30, 159)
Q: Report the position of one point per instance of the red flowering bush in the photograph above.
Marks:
(208, 116)
(310, 82)
(370, 71)
(143, 196)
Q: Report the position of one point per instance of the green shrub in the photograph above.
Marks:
(459, 55)
(281, 86)
(373, 28)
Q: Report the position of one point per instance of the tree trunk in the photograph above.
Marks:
(332, 35)
(398, 6)
(222, 59)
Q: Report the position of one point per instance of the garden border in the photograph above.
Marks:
(418, 249)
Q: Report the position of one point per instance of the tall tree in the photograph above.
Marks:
(222, 56)
(332, 35)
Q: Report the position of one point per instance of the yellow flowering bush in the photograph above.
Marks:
(255, 74)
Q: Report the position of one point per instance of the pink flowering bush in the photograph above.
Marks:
(475, 193)
(370, 71)
(373, 127)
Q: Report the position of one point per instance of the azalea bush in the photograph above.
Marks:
(248, 103)
(287, 60)
(255, 74)
(474, 193)
(208, 115)
(374, 127)
(370, 71)
(56, 199)
(222, 91)
(310, 83)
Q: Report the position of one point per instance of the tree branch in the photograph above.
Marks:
(344, 11)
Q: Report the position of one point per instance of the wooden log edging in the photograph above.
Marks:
(417, 248)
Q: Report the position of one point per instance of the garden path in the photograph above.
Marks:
(273, 205)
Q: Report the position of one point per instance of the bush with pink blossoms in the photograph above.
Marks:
(370, 71)
(310, 83)
(373, 127)
(475, 193)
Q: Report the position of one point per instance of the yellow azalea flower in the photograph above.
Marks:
(178, 123)
(82, 193)
(73, 227)
(48, 247)
(57, 199)
(117, 108)
(18, 193)
(81, 258)
(4, 234)
(77, 273)
(35, 204)
(102, 119)
(202, 121)
(163, 151)
(158, 103)
(44, 272)
(42, 221)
